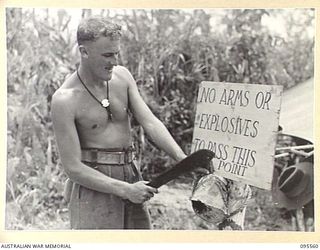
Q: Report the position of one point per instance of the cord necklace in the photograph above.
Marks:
(104, 102)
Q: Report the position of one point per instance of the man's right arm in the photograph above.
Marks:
(63, 117)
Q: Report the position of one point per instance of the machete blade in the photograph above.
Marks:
(198, 159)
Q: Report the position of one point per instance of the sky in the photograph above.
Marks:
(275, 24)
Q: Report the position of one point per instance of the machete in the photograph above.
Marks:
(198, 159)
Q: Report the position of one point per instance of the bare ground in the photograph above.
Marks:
(170, 209)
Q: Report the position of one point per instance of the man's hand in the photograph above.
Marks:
(140, 192)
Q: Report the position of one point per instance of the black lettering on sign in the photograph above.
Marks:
(234, 97)
(220, 150)
(231, 125)
(232, 168)
(206, 95)
(204, 121)
(198, 144)
(262, 100)
(254, 133)
(244, 156)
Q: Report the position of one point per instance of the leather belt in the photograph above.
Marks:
(106, 156)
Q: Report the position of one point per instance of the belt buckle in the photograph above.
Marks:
(120, 158)
(130, 156)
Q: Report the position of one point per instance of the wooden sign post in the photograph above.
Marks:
(239, 122)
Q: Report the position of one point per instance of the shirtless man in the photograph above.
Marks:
(93, 133)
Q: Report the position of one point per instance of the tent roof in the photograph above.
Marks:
(297, 109)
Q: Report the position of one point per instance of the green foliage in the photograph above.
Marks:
(37, 64)
(298, 49)
(169, 52)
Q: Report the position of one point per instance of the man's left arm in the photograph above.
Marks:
(155, 129)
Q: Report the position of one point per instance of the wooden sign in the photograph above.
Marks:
(239, 123)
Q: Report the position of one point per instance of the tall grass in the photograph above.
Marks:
(169, 52)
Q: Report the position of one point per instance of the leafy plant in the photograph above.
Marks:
(169, 52)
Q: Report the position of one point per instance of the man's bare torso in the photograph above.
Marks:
(94, 127)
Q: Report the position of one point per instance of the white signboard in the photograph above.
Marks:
(239, 122)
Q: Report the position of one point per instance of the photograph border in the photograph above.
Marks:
(155, 236)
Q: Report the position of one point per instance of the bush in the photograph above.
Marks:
(169, 52)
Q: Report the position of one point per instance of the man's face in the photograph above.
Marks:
(102, 57)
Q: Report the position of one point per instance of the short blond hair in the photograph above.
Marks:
(90, 29)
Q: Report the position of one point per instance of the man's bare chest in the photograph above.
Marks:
(91, 114)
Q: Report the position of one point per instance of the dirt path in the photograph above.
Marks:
(170, 209)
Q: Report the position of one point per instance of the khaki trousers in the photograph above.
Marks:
(89, 209)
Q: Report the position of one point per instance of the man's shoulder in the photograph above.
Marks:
(67, 93)
(123, 74)
(121, 69)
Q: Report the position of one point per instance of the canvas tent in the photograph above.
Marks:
(297, 121)
(297, 109)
